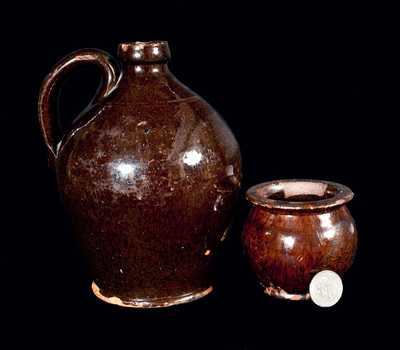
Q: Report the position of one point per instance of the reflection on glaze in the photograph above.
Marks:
(328, 228)
(192, 157)
(288, 242)
(329, 234)
(325, 220)
(127, 177)
(229, 170)
(126, 170)
(123, 172)
(218, 202)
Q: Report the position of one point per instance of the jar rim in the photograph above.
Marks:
(299, 194)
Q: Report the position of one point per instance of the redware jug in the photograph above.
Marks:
(148, 174)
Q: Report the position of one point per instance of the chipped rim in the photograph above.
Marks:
(260, 194)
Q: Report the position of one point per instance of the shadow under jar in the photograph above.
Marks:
(295, 229)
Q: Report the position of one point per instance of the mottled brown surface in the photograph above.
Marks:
(149, 176)
(286, 248)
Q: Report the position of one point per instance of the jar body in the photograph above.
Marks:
(287, 248)
(149, 177)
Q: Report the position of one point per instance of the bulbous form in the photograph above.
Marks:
(149, 175)
(295, 229)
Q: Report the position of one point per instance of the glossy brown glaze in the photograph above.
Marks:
(295, 229)
(149, 175)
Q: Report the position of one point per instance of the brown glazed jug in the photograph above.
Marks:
(295, 229)
(148, 174)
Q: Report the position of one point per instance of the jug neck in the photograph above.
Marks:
(145, 75)
(145, 58)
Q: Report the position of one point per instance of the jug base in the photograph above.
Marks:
(151, 302)
(279, 293)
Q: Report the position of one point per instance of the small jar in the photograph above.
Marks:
(295, 229)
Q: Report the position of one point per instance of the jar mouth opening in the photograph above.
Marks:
(144, 51)
(297, 194)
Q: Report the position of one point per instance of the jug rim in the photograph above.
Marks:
(144, 51)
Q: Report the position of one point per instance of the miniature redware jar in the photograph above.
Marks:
(148, 174)
(295, 229)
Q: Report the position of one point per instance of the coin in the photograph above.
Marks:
(326, 288)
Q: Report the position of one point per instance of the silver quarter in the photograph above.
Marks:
(326, 288)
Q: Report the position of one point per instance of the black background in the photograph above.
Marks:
(305, 89)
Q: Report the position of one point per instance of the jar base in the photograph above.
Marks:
(279, 293)
(151, 302)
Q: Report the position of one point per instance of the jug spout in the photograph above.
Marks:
(144, 52)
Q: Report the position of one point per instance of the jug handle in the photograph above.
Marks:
(46, 104)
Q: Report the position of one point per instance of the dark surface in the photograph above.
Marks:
(307, 92)
(149, 176)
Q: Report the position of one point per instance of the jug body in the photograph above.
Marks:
(149, 176)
